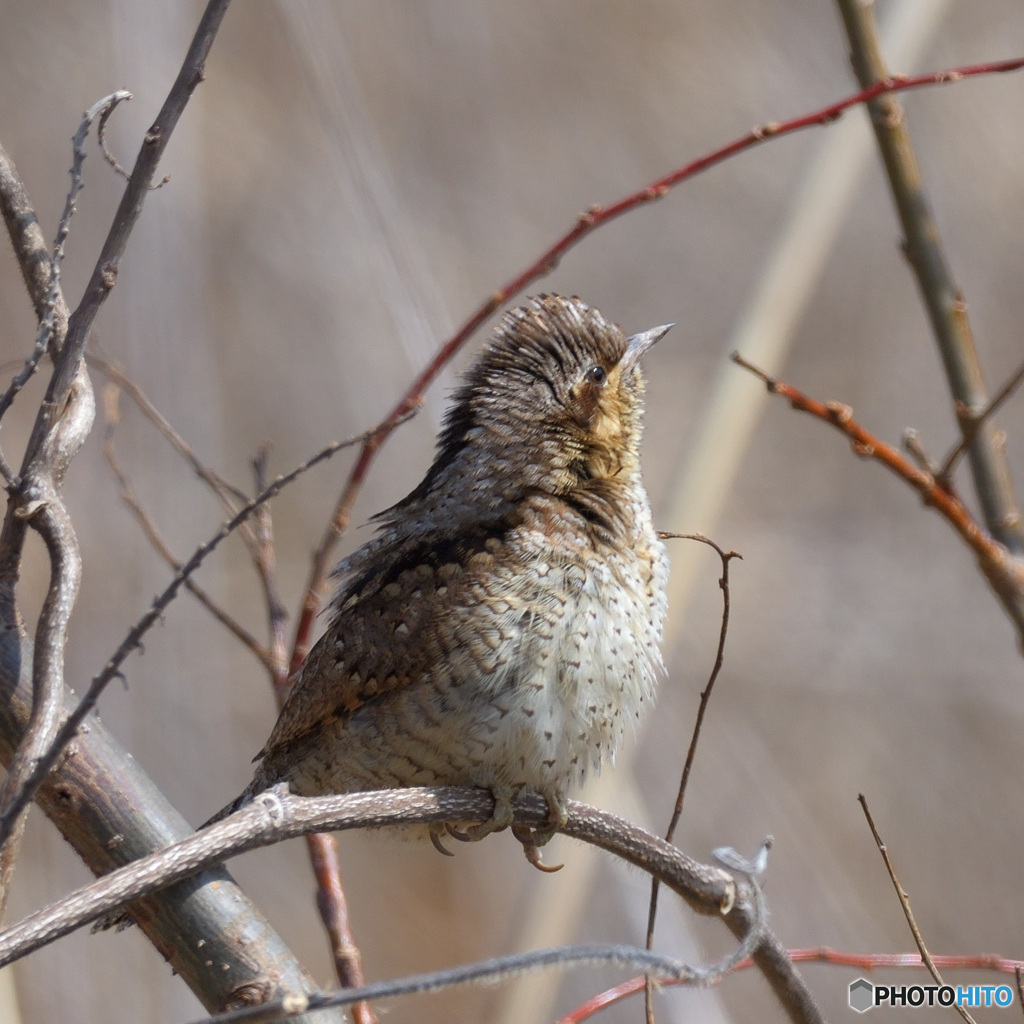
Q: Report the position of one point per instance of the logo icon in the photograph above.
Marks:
(861, 995)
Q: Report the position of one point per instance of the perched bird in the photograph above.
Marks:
(504, 624)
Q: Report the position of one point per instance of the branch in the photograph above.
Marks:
(488, 972)
(30, 249)
(277, 815)
(691, 753)
(54, 309)
(229, 497)
(972, 424)
(36, 498)
(943, 299)
(904, 899)
(156, 540)
(64, 420)
(111, 813)
(1003, 570)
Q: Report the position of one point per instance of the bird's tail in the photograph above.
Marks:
(237, 804)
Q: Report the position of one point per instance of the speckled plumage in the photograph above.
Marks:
(505, 622)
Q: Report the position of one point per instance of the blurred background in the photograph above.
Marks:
(349, 183)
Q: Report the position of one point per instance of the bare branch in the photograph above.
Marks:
(45, 339)
(29, 244)
(265, 562)
(691, 753)
(905, 904)
(64, 419)
(111, 813)
(101, 138)
(152, 532)
(277, 815)
(1004, 571)
(972, 423)
(230, 497)
(943, 299)
(333, 907)
(664, 968)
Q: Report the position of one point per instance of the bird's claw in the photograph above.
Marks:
(457, 833)
(533, 855)
(435, 839)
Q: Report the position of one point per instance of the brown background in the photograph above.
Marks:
(348, 184)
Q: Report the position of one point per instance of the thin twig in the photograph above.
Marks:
(943, 299)
(595, 217)
(101, 138)
(102, 109)
(488, 972)
(265, 563)
(152, 532)
(823, 955)
(230, 497)
(1004, 571)
(905, 904)
(913, 446)
(135, 634)
(705, 697)
(972, 424)
(483, 972)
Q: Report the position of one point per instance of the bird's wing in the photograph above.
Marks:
(446, 606)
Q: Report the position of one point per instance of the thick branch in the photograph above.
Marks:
(111, 813)
(28, 242)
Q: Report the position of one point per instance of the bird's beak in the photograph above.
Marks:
(640, 343)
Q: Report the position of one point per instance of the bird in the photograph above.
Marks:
(504, 624)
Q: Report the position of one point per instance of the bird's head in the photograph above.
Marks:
(551, 404)
(557, 395)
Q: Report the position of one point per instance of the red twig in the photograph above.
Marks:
(593, 218)
(333, 907)
(1004, 572)
(821, 955)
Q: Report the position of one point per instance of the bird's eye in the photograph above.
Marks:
(597, 375)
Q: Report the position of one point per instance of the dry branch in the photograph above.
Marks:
(943, 299)
(1003, 570)
(111, 813)
(278, 815)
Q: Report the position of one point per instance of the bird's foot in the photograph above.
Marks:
(534, 838)
(499, 820)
